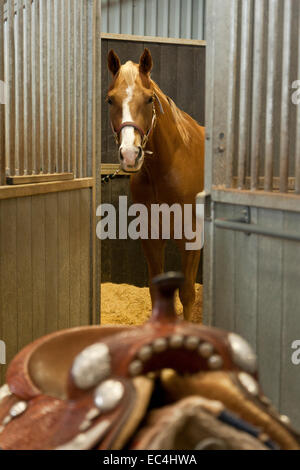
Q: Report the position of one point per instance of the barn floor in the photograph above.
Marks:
(123, 304)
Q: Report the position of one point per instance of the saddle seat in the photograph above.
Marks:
(166, 384)
(43, 367)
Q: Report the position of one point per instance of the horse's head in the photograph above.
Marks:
(132, 110)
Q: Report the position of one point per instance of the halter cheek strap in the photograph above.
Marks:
(144, 136)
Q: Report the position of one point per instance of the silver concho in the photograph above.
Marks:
(135, 368)
(160, 345)
(285, 420)
(108, 395)
(215, 362)
(206, 350)
(249, 383)
(91, 366)
(18, 409)
(176, 341)
(4, 392)
(145, 353)
(242, 354)
(87, 440)
(191, 342)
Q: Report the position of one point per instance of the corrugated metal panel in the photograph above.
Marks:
(251, 281)
(163, 18)
(257, 118)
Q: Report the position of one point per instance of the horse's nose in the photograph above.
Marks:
(130, 155)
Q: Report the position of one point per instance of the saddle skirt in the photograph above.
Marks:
(168, 384)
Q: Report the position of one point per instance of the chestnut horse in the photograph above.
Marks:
(163, 148)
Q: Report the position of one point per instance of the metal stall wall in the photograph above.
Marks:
(252, 249)
(163, 18)
(48, 152)
(179, 69)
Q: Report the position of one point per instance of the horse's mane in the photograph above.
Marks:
(180, 117)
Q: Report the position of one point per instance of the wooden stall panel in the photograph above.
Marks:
(9, 321)
(45, 266)
(38, 220)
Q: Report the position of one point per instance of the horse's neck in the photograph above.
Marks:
(162, 139)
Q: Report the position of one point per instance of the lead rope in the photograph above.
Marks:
(105, 179)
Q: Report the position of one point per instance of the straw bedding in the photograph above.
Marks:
(123, 304)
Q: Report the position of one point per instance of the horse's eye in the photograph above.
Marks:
(150, 100)
(109, 100)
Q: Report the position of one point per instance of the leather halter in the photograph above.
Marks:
(144, 135)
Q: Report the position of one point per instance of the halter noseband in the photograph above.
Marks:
(144, 135)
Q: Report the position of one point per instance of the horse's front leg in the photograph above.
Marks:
(190, 265)
(154, 252)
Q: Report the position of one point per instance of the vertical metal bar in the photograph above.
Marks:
(232, 67)
(77, 126)
(297, 136)
(79, 47)
(57, 46)
(202, 29)
(104, 16)
(33, 85)
(2, 106)
(10, 80)
(126, 17)
(151, 18)
(71, 108)
(285, 97)
(271, 78)
(84, 59)
(96, 191)
(65, 11)
(58, 89)
(90, 46)
(28, 90)
(174, 25)
(186, 19)
(198, 19)
(138, 18)
(257, 97)
(80, 87)
(44, 88)
(37, 85)
(75, 99)
(20, 90)
(50, 92)
(114, 17)
(209, 251)
(163, 18)
(243, 146)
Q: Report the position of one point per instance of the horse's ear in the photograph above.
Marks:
(146, 62)
(114, 63)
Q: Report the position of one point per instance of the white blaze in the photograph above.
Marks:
(128, 136)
